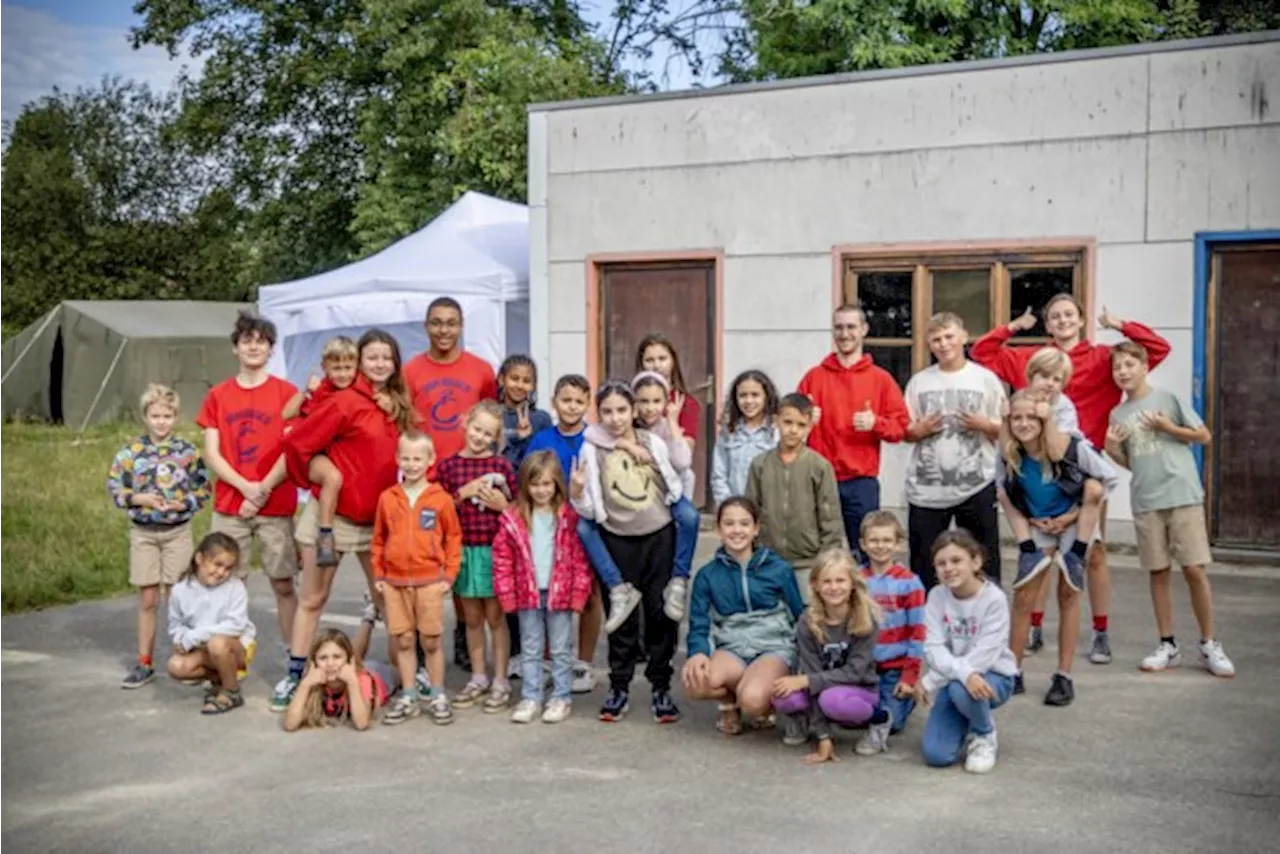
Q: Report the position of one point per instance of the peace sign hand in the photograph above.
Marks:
(577, 478)
(523, 427)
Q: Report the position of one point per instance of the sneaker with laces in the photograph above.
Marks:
(1166, 655)
(403, 707)
(283, 693)
(876, 740)
(1100, 652)
(673, 598)
(472, 691)
(1061, 692)
(1072, 567)
(138, 675)
(422, 682)
(370, 615)
(981, 757)
(623, 599)
(664, 708)
(557, 710)
(616, 705)
(326, 549)
(584, 678)
(526, 711)
(1030, 564)
(1215, 659)
(795, 730)
(440, 709)
(1035, 641)
(499, 698)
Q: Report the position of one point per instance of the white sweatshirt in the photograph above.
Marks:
(966, 636)
(197, 613)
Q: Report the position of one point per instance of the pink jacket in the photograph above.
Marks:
(514, 582)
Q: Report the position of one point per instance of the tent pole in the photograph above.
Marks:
(102, 387)
(34, 338)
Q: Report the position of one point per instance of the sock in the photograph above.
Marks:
(409, 693)
(1099, 622)
(297, 665)
(1064, 675)
(1026, 546)
(880, 717)
(324, 530)
(145, 660)
(1079, 549)
(1169, 640)
(1037, 619)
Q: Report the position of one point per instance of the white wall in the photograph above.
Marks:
(1138, 152)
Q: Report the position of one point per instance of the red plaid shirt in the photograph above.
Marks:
(479, 523)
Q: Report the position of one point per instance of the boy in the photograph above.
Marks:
(243, 442)
(954, 407)
(795, 489)
(338, 361)
(1151, 434)
(415, 555)
(900, 644)
(570, 400)
(161, 481)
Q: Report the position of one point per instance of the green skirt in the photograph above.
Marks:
(475, 579)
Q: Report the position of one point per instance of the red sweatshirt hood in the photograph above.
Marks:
(832, 363)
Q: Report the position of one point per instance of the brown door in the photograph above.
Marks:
(1245, 451)
(676, 300)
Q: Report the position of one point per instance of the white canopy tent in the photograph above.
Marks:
(476, 252)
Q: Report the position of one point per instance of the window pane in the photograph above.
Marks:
(1035, 288)
(895, 360)
(968, 294)
(886, 300)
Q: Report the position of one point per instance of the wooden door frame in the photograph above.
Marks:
(1204, 356)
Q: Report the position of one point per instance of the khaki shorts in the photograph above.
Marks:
(275, 536)
(348, 537)
(1177, 534)
(158, 554)
(406, 607)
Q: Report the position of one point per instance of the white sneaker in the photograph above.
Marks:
(557, 710)
(875, 741)
(623, 599)
(525, 712)
(584, 678)
(982, 753)
(1215, 658)
(673, 598)
(1165, 656)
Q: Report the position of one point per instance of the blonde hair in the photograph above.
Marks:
(864, 613)
(881, 519)
(159, 395)
(494, 411)
(1012, 449)
(1050, 362)
(536, 465)
(339, 349)
(419, 436)
(942, 320)
(314, 715)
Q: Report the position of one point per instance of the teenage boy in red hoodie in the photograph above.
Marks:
(856, 407)
(1092, 389)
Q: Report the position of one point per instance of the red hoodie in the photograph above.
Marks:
(1092, 388)
(842, 392)
(359, 438)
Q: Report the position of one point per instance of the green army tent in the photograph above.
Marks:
(88, 362)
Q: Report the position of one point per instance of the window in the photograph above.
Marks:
(986, 287)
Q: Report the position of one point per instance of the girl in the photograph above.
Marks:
(656, 353)
(338, 686)
(359, 437)
(481, 483)
(657, 417)
(971, 667)
(540, 573)
(518, 394)
(1057, 489)
(742, 619)
(837, 643)
(209, 623)
(630, 502)
(748, 432)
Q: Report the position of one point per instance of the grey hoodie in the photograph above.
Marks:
(840, 659)
(966, 636)
(197, 613)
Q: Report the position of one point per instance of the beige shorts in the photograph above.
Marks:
(275, 538)
(1176, 534)
(423, 607)
(348, 537)
(158, 554)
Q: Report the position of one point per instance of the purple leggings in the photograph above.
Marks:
(841, 704)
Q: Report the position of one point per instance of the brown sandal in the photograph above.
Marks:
(222, 702)
(727, 725)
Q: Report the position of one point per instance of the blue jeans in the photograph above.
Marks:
(899, 708)
(687, 520)
(537, 628)
(955, 715)
(858, 497)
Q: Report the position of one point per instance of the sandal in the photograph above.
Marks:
(222, 702)
(729, 726)
(470, 692)
(769, 721)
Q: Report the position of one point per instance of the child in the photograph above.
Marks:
(161, 481)
(748, 432)
(900, 646)
(518, 394)
(540, 572)
(338, 686)
(415, 553)
(481, 482)
(795, 489)
(971, 667)
(1151, 434)
(1058, 494)
(630, 503)
(656, 416)
(570, 400)
(837, 681)
(656, 353)
(338, 361)
(742, 618)
(213, 638)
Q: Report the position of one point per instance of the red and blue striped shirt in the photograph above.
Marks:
(901, 598)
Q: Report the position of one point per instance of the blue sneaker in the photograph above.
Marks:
(1072, 567)
(615, 707)
(1030, 564)
(664, 708)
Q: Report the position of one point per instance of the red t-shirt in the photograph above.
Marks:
(690, 416)
(443, 393)
(250, 433)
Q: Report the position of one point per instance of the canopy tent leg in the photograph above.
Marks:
(102, 387)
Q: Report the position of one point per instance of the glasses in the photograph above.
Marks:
(444, 324)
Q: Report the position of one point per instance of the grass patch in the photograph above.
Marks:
(62, 539)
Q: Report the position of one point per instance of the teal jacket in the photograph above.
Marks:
(721, 587)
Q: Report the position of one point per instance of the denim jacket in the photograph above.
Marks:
(733, 455)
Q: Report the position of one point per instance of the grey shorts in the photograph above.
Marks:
(1062, 542)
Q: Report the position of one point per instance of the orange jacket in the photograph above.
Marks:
(418, 545)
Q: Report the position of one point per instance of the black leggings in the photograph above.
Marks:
(646, 562)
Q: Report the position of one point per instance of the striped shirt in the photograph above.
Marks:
(479, 523)
(901, 598)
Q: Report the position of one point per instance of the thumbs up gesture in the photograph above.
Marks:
(864, 420)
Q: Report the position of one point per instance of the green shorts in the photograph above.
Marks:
(475, 579)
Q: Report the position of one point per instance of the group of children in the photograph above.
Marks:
(527, 520)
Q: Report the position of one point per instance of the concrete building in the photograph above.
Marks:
(1144, 179)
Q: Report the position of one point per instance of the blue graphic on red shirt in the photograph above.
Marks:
(449, 399)
(247, 423)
